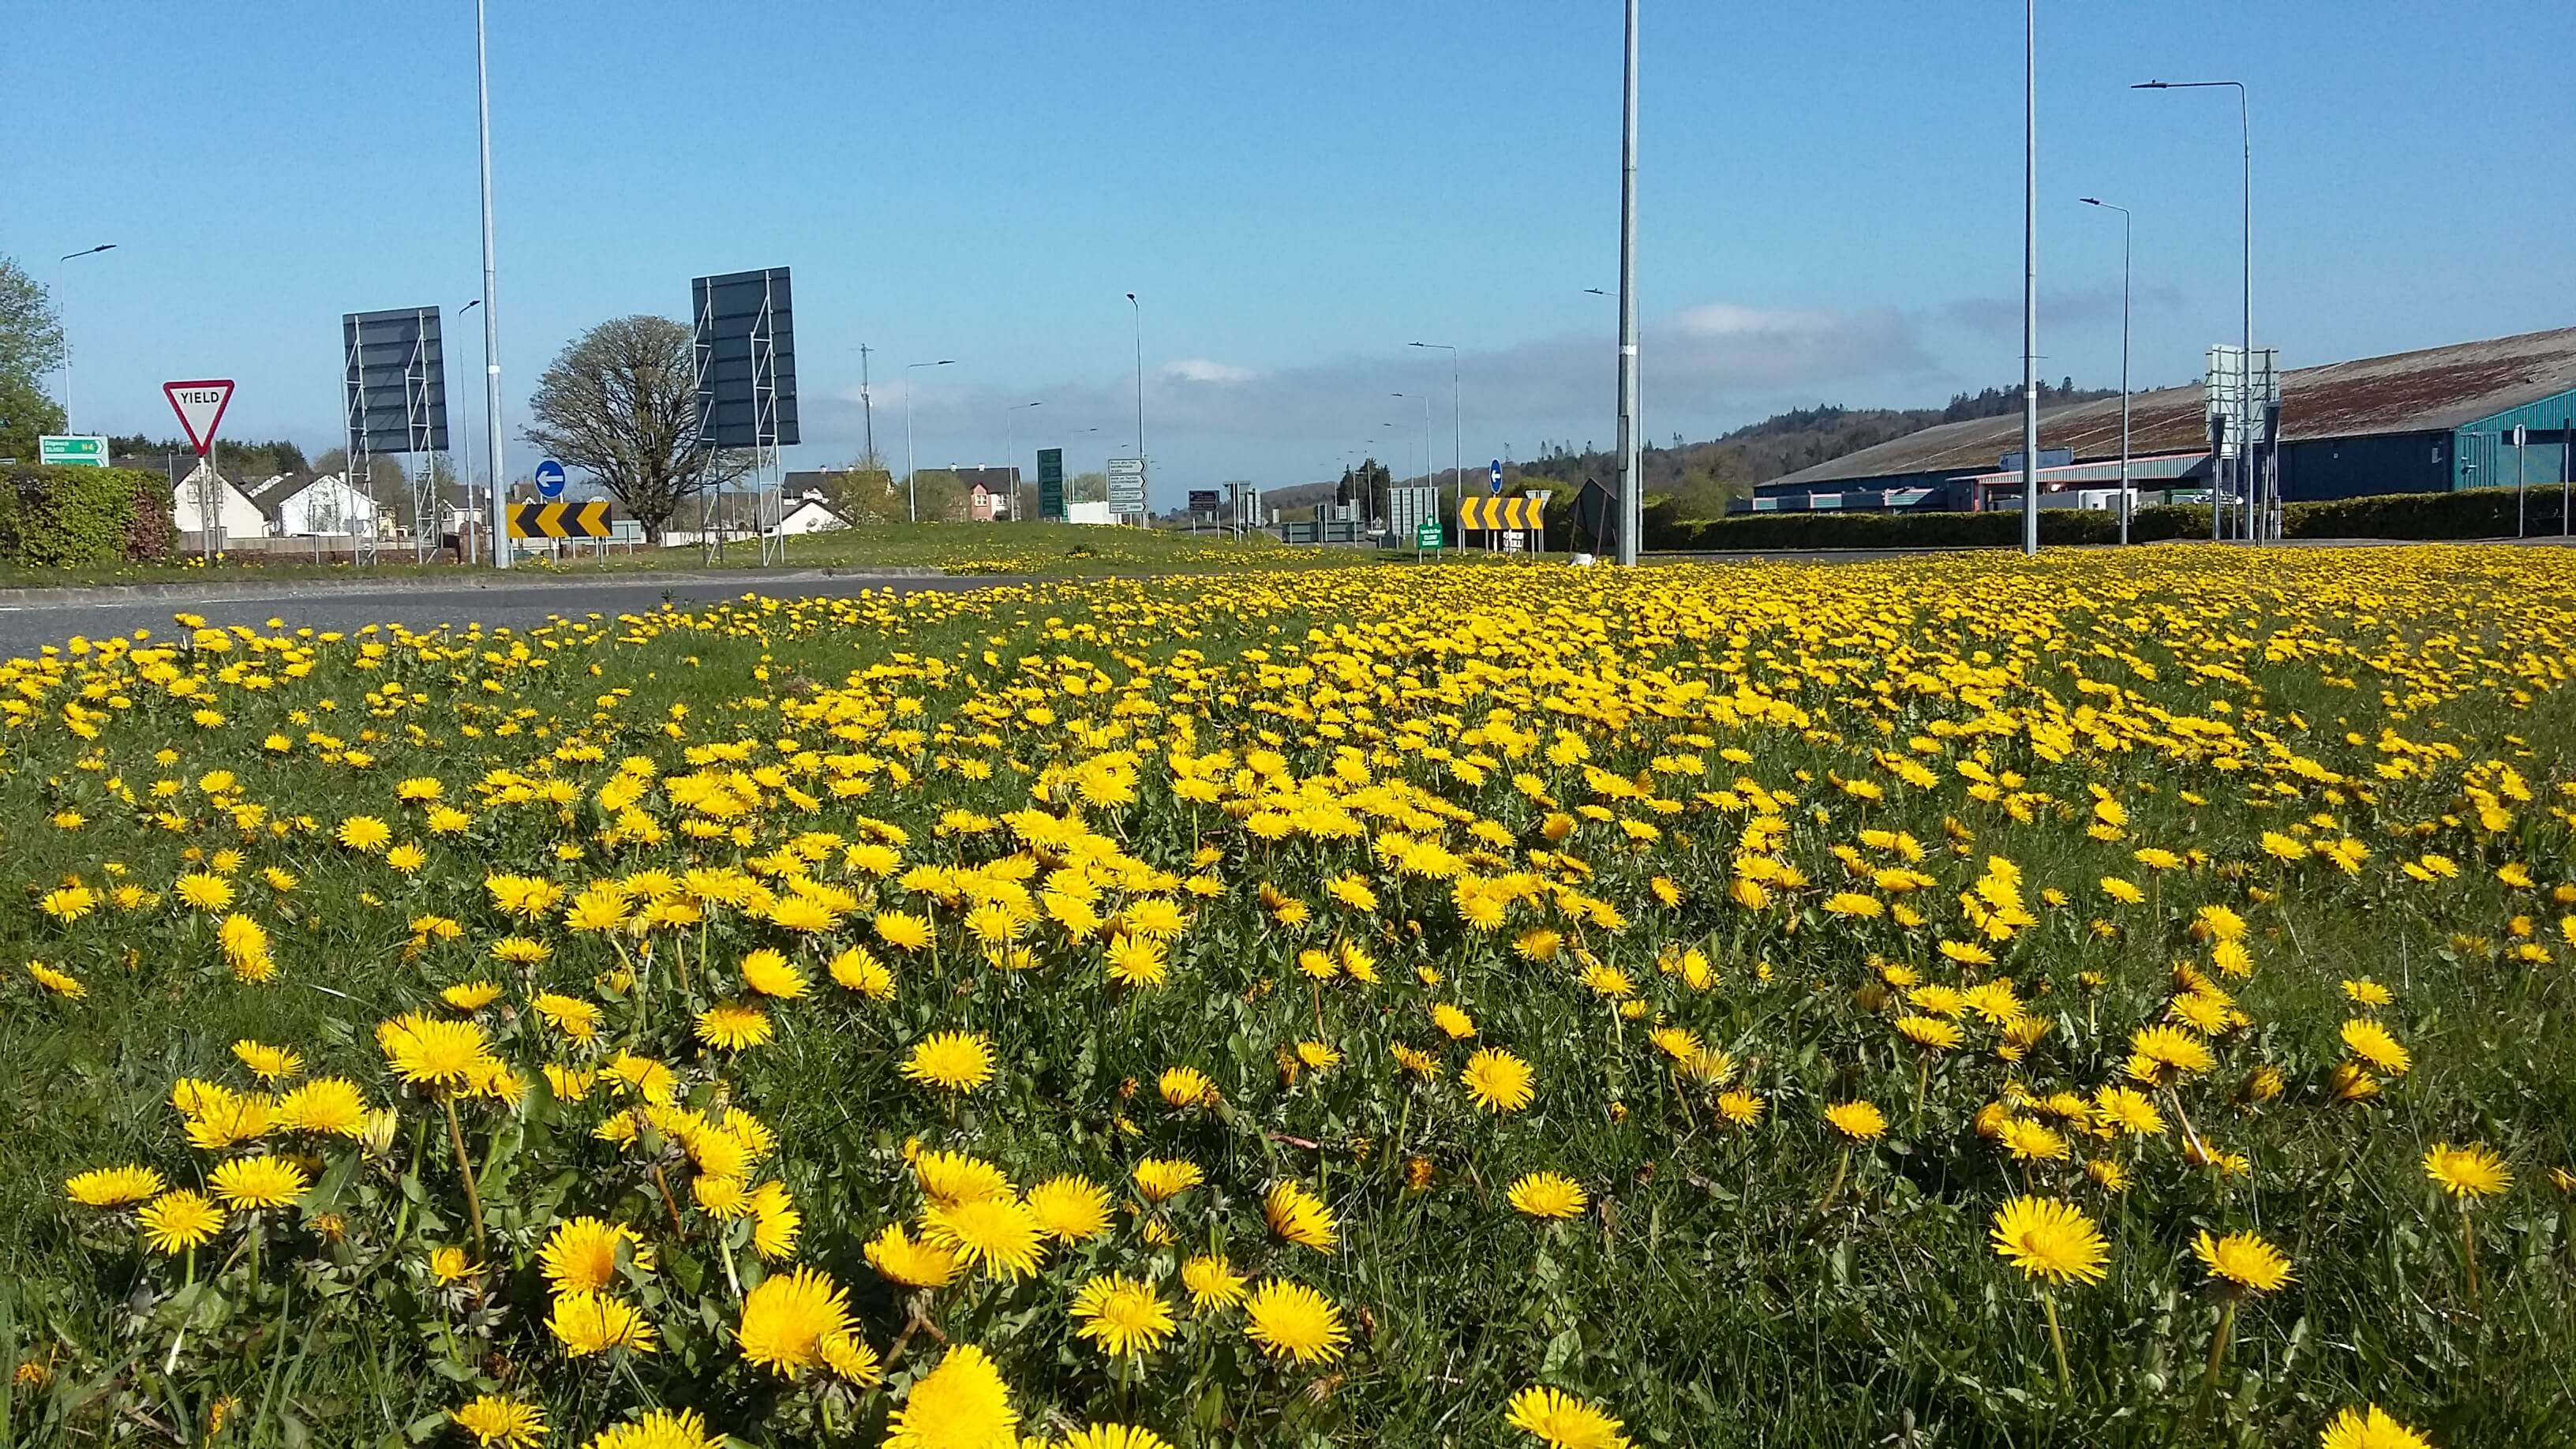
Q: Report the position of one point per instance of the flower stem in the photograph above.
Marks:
(465, 1172)
(2218, 1343)
(2057, 1340)
(2469, 1251)
(1842, 1169)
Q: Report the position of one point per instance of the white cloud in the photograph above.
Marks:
(1204, 369)
(1704, 368)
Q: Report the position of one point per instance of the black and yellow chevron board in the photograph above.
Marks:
(559, 520)
(1517, 511)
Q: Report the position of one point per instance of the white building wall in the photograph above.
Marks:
(328, 508)
(235, 514)
(810, 516)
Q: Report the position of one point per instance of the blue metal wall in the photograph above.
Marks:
(2484, 451)
(2358, 467)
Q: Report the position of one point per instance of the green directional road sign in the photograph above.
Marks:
(1426, 534)
(1051, 484)
(73, 451)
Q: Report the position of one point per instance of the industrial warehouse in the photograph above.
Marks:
(2486, 414)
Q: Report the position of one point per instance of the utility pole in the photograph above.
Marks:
(1632, 497)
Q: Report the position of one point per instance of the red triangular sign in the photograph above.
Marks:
(200, 406)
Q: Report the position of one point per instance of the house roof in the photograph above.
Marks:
(2432, 390)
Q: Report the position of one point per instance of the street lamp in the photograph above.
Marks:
(2245, 405)
(1139, 309)
(1008, 414)
(1426, 444)
(491, 324)
(2124, 356)
(1632, 497)
(1457, 438)
(2029, 279)
(472, 510)
(67, 332)
(911, 498)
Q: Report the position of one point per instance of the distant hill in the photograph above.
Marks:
(1706, 474)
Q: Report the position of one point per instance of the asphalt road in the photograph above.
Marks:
(26, 628)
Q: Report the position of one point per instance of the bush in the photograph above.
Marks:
(70, 517)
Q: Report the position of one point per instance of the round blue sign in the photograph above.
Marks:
(550, 479)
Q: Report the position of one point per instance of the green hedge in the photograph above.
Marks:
(2478, 513)
(2473, 513)
(1804, 530)
(70, 517)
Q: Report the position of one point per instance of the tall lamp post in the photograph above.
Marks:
(1139, 309)
(2244, 403)
(1632, 499)
(473, 509)
(911, 497)
(2124, 357)
(67, 333)
(1457, 435)
(1426, 444)
(1009, 415)
(2029, 281)
(491, 325)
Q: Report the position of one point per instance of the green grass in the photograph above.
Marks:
(1708, 1299)
(1044, 550)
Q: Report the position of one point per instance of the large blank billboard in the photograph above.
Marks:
(745, 331)
(393, 381)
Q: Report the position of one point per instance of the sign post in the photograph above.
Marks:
(1426, 534)
(200, 405)
(550, 480)
(74, 450)
(2521, 482)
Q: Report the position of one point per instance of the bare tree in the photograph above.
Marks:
(620, 404)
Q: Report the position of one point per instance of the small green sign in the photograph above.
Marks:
(74, 451)
(1426, 534)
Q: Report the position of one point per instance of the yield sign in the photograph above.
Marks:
(200, 406)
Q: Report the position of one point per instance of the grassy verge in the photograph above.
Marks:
(2188, 890)
(1050, 550)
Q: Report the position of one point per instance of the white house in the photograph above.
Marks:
(811, 515)
(235, 515)
(327, 507)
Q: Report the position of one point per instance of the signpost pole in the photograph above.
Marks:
(2521, 483)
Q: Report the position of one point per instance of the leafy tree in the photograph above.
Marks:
(620, 403)
(864, 494)
(31, 345)
(942, 495)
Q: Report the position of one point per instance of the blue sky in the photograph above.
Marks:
(1830, 203)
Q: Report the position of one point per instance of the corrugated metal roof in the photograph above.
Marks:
(2408, 392)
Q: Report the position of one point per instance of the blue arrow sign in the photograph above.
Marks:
(550, 479)
(1494, 480)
